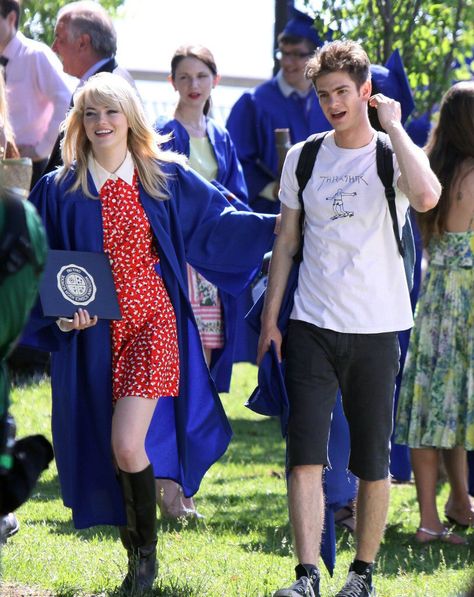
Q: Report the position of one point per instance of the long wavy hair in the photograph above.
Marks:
(200, 53)
(450, 143)
(143, 141)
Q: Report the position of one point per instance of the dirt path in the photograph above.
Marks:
(10, 590)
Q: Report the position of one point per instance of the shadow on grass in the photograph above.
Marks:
(256, 442)
(400, 551)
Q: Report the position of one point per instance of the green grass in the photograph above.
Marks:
(242, 548)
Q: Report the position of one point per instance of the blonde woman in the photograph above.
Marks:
(136, 392)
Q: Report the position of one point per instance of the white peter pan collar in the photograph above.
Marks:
(100, 175)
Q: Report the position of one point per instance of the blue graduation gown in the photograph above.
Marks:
(231, 182)
(252, 123)
(188, 433)
(230, 176)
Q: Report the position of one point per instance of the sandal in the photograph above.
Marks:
(445, 536)
(344, 518)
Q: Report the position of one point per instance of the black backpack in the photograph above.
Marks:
(384, 154)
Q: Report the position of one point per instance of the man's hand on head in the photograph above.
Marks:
(388, 110)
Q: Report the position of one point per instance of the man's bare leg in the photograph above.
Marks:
(306, 505)
(371, 515)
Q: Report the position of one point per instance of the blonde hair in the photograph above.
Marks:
(143, 141)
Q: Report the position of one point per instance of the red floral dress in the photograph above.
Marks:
(145, 356)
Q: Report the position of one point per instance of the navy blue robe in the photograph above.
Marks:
(252, 123)
(230, 176)
(188, 433)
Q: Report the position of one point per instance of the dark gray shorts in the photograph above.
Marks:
(364, 367)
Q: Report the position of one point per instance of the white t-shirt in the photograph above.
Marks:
(352, 278)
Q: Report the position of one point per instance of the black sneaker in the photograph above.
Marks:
(302, 587)
(307, 583)
(356, 586)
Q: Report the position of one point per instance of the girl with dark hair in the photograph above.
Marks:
(211, 153)
(436, 407)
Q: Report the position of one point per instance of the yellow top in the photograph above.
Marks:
(202, 157)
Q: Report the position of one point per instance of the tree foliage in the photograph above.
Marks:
(433, 37)
(38, 17)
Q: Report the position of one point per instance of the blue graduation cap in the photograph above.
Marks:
(419, 129)
(302, 25)
(270, 398)
(392, 81)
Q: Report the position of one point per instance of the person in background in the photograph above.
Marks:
(285, 101)
(22, 259)
(38, 92)
(86, 42)
(9, 524)
(8, 148)
(436, 406)
(139, 393)
(211, 153)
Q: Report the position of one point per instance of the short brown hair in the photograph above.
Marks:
(6, 6)
(336, 56)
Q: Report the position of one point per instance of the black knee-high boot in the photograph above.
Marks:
(140, 534)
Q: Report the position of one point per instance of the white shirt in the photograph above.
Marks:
(287, 89)
(352, 278)
(100, 175)
(38, 93)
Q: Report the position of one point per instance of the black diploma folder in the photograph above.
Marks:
(78, 279)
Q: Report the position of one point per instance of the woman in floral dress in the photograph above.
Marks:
(133, 399)
(436, 409)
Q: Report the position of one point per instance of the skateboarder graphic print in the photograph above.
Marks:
(338, 204)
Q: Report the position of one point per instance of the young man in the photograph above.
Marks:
(285, 101)
(352, 299)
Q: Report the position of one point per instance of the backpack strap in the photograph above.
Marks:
(304, 170)
(15, 245)
(384, 157)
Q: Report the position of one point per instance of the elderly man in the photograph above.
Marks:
(38, 92)
(86, 43)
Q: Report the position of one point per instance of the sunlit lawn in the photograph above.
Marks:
(243, 546)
